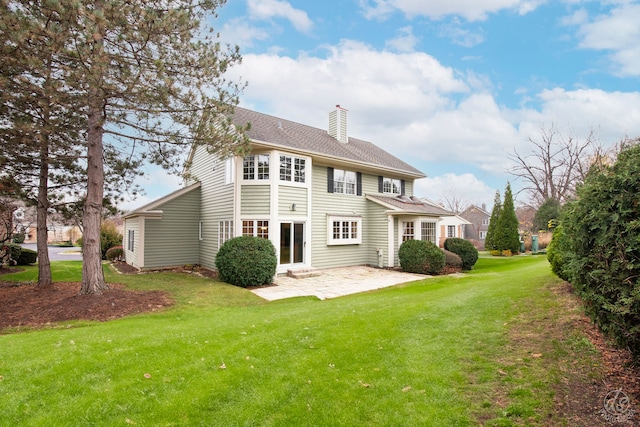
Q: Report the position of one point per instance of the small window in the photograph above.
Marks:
(408, 231)
(485, 221)
(225, 232)
(451, 231)
(428, 231)
(131, 235)
(259, 228)
(200, 231)
(391, 186)
(344, 230)
(229, 170)
(483, 235)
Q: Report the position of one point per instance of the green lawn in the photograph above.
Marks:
(439, 352)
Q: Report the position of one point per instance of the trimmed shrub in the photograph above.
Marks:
(421, 256)
(115, 253)
(452, 259)
(464, 249)
(247, 261)
(22, 256)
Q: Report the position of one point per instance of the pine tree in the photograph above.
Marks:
(489, 243)
(145, 78)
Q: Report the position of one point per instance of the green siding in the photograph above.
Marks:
(173, 240)
(377, 231)
(255, 200)
(287, 196)
(216, 201)
(132, 256)
(326, 256)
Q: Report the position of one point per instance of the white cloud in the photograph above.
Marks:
(471, 10)
(405, 41)
(267, 9)
(460, 36)
(239, 32)
(619, 33)
(467, 187)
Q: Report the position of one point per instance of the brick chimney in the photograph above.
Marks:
(338, 124)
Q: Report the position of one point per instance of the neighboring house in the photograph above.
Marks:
(322, 198)
(478, 219)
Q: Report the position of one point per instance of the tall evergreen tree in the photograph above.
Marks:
(489, 242)
(148, 80)
(507, 236)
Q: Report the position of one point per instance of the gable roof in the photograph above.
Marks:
(270, 131)
(472, 208)
(409, 205)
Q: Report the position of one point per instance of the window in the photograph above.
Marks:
(344, 181)
(131, 235)
(408, 231)
(200, 231)
(229, 170)
(225, 232)
(292, 169)
(391, 186)
(485, 221)
(344, 230)
(255, 228)
(483, 235)
(428, 231)
(255, 167)
(451, 231)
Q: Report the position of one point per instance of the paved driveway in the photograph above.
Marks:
(58, 253)
(336, 282)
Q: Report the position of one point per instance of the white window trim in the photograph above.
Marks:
(435, 231)
(392, 180)
(482, 235)
(200, 234)
(254, 226)
(342, 218)
(344, 182)
(225, 231)
(293, 182)
(255, 168)
(454, 231)
(229, 170)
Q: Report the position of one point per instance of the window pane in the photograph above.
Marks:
(354, 229)
(336, 229)
(285, 168)
(345, 229)
(263, 166)
(248, 166)
(299, 170)
(247, 228)
(263, 229)
(429, 231)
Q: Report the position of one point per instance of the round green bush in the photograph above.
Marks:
(421, 256)
(464, 249)
(115, 253)
(247, 261)
(452, 259)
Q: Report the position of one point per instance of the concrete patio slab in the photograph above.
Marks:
(336, 282)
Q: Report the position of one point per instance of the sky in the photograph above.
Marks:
(452, 87)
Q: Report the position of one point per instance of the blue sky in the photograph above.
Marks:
(450, 86)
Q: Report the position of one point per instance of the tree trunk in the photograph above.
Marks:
(44, 266)
(92, 275)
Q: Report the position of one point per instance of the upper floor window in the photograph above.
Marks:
(256, 167)
(344, 181)
(292, 169)
(390, 185)
(485, 221)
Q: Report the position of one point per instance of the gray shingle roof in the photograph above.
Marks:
(273, 130)
(412, 205)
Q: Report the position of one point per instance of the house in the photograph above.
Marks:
(476, 230)
(324, 199)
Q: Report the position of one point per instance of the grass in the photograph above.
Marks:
(442, 352)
